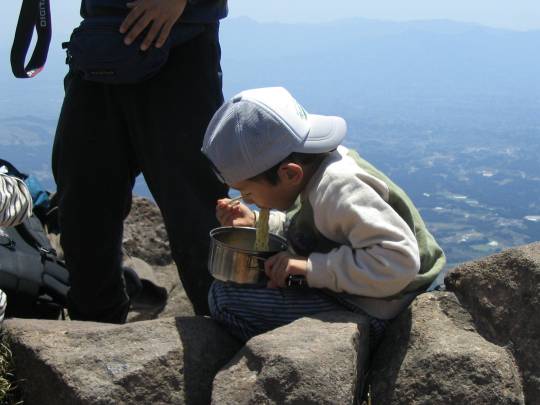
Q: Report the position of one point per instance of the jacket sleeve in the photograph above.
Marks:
(379, 253)
(15, 201)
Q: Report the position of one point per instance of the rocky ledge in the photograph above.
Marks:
(478, 342)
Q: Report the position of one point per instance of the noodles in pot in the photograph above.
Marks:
(261, 233)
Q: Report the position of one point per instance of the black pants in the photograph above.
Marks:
(106, 136)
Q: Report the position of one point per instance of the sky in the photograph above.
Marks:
(508, 14)
(511, 14)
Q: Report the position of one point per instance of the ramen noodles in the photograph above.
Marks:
(261, 233)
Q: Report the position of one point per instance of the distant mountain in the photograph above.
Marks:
(434, 72)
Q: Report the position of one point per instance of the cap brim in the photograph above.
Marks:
(326, 133)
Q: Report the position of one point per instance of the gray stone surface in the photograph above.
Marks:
(145, 238)
(502, 293)
(432, 354)
(144, 233)
(311, 361)
(479, 346)
(165, 361)
(177, 303)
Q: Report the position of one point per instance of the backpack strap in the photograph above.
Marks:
(28, 263)
(55, 277)
(34, 14)
(32, 232)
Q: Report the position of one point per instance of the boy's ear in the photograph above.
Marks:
(291, 173)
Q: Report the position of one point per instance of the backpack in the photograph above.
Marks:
(35, 280)
(33, 277)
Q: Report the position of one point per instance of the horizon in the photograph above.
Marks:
(59, 36)
(522, 16)
(382, 21)
(495, 14)
(61, 28)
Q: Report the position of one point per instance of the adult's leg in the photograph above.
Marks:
(168, 116)
(94, 176)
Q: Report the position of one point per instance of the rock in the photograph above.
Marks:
(165, 361)
(144, 233)
(315, 360)
(148, 296)
(147, 305)
(502, 293)
(432, 354)
(479, 346)
(156, 281)
(178, 304)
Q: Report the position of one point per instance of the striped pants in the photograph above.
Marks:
(247, 310)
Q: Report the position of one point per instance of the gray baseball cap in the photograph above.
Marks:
(258, 128)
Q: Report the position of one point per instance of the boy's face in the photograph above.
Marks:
(263, 194)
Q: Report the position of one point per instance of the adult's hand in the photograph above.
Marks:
(157, 15)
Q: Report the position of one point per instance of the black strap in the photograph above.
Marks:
(36, 239)
(34, 14)
(12, 170)
(55, 277)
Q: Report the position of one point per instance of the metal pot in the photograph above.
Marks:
(232, 257)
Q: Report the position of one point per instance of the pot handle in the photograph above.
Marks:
(257, 262)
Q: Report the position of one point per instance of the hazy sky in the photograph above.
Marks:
(514, 14)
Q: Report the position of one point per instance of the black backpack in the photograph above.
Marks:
(35, 280)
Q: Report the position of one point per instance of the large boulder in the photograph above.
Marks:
(145, 235)
(502, 293)
(478, 346)
(165, 361)
(432, 354)
(317, 360)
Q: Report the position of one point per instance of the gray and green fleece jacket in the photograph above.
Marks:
(364, 239)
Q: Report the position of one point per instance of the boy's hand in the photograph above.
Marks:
(158, 15)
(234, 214)
(281, 265)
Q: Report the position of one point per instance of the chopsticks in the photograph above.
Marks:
(235, 201)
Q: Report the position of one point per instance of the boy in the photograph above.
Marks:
(354, 235)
